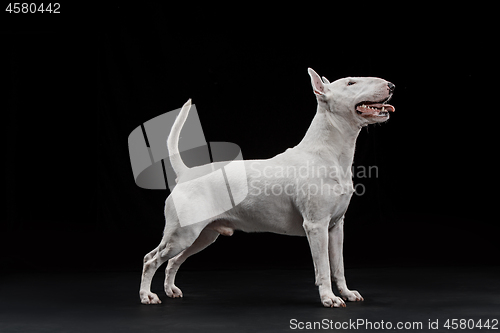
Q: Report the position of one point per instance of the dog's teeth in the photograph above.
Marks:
(383, 109)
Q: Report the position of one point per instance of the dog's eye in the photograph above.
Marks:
(350, 83)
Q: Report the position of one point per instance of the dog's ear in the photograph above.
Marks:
(325, 80)
(318, 86)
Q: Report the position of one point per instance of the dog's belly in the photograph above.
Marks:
(256, 214)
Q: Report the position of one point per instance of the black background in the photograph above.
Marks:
(81, 81)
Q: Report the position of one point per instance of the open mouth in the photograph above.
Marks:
(375, 109)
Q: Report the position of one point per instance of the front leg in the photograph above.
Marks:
(335, 246)
(317, 235)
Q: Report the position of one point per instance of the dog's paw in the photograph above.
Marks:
(332, 302)
(173, 291)
(351, 295)
(148, 297)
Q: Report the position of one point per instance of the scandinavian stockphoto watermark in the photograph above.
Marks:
(307, 179)
(221, 179)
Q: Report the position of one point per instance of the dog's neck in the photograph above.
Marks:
(332, 138)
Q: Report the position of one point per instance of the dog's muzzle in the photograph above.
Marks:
(377, 108)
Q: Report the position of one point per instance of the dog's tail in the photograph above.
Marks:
(173, 140)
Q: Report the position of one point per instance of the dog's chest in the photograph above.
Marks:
(319, 197)
(339, 208)
(341, 190)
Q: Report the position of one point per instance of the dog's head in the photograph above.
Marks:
(359, 100)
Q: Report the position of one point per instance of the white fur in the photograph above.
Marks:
(303, 191)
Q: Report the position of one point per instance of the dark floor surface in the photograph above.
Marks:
(244, 300)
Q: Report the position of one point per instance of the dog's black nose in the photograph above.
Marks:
(391, 86)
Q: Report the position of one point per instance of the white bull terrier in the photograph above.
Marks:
(304, 191)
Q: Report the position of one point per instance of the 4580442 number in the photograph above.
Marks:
(471, 324)
(32, 8)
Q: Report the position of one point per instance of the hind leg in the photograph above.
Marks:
(151, 263)
(206, 238)
(175, 240)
